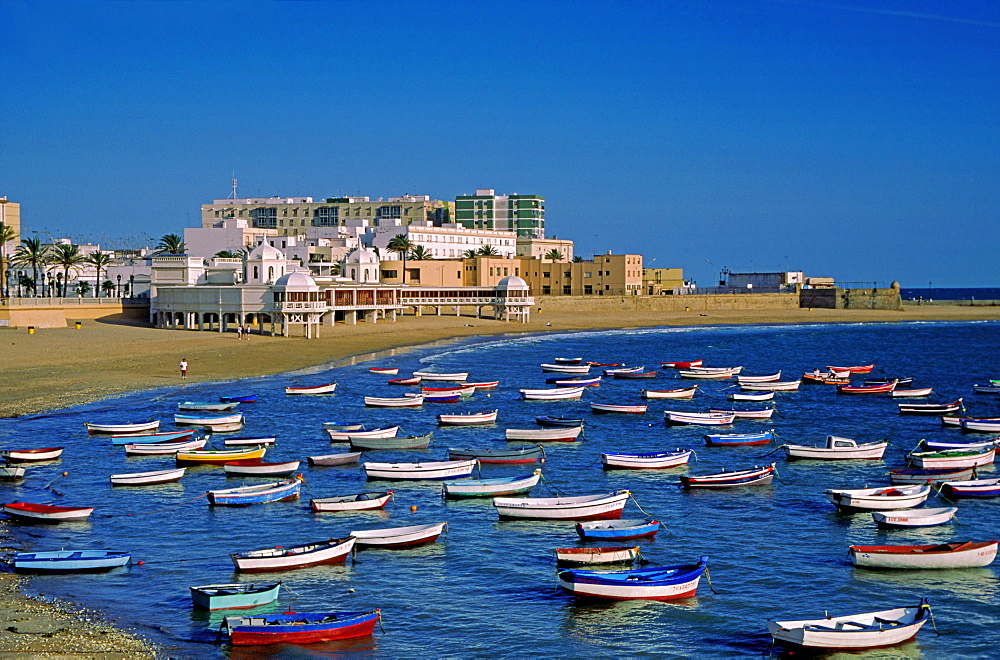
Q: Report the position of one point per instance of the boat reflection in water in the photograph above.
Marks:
(600, 624)
(356, 647)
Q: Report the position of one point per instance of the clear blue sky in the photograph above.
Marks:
(854, 139)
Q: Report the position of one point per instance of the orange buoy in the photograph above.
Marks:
(65, 474)
(413, 508)
(140, 563)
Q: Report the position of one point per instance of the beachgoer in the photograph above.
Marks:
(184, 368)
(246, 332)
(239, 332)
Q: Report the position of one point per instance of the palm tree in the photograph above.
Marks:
(487, 251)
(99, 260)
(6, 235)
(108, 287)
(171, 244)
(578, 260)
(32, 253)
(401, 244)
(554, 254)
(67, 257)
(420, 253)
(470, 253)
(229, 254)
(82, 287)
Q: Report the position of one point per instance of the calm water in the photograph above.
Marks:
(489, 588)
(954, 293)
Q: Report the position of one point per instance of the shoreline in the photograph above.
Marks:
(64, 367)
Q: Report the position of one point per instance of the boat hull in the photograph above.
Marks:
(300, 628)
(839, 633)
(647, 461)
(70, 561)
(588, 556)
(491, 487)
(945, 555)
(432, 471)
(604, 507)
(148, 478)
(677, 582)
(399, 537)
(360, 502)
(268, 560)
(236, 596)
(335, 459)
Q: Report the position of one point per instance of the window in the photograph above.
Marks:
(390, 274)
(588, 290)
(546, 290)
(567, 290)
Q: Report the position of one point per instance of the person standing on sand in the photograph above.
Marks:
(184, 368)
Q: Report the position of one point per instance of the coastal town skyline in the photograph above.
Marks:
(843, 139)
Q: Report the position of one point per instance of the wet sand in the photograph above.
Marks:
(56, 368)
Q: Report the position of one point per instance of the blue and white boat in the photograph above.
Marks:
(491, 487)
(70, 561)
(237, 596)
(262, 494)
(663, 583)
(606, 530)
(739, 439)
(151, 438)
(241, 398)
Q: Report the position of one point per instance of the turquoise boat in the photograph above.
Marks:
(168, 436)
(492, 487)
(236, 596)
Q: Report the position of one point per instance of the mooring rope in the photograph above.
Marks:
(708, 577)
(550, 485)
(776, 449)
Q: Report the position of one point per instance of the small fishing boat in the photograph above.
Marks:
(611, 530)
(866, 499)
(357, 502)
(623, 370)
(491, 487)
(962, 554)
(683, 364)
(599, 408)
(236, 596)
(198, 406)
(164, 448)
(549, 421)
(300, 628)
(551, 434)
(700, 419)
(347, 436)
(952, 458)
(261, 494)
(429, 471)
(955, 420)
(914, 517)
(328, 388)
(973, 488)
(141, 438)
(929, 408)
(70, 561)
(646, 461)
(758, 413)
(464, 390)
(399, 442)
(773, 386)
(914, 393)
(109, 429)
(148, 478)
(414, 401)
(529, 454)
(853, 631)
(678, 393)
(566, 368)
(484, 385)
(399, 537)
(827, 377)
(11, 472)
(901, 382)
(218, 456)
(757, 476)
(413, 380)
(770, 378)
(46, 512)
(939, 445)
(885, 388)
(863, 369)
(701, 374)
(560, 360)
(981, 425)
(739, 439)
(929, 476)
(328, 460)
(458, 377)
(281, 558)
(384, 371)
(554, 394)
(574, 382)
(751, 396)
(343, 426)
(214, 423)
(837, 448)
(239, 398)
(31, 455)
(254, 467)
(430, 397)
(469, 419)
(986, 389)
(248, 441)
(626, 375)
(606, 506)
(588, 556)
(661, 583)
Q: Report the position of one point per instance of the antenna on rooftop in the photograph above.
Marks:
(233, 195)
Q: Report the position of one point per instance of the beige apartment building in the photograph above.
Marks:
(660, 281)
(606, 275)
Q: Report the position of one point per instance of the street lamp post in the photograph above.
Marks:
(131, 286)
(119, 285)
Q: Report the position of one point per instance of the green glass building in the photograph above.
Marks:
(523, 214)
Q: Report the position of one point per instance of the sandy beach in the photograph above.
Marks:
(56, 368)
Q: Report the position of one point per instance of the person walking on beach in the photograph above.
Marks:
(184, 368)
(239, 332)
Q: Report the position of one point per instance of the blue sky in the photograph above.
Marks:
(852, 139)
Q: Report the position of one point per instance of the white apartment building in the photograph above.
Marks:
(450, 241)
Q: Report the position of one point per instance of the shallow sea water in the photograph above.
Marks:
(488, 588)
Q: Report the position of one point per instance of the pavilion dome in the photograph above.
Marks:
(512, 282)
(297, 280)
(266, 252)
(362, 256)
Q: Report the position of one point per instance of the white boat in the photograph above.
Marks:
(11, 472)
(329, 388)
(605, 555)
(469, 419)
(615, 408)
(261, 441)
(141, 427)
(607, 506)
(31, 455)
(358, 502)
(148, 478)
(838, 448)
(399, 537)
(566, 368)
(914, 517)
(163, 448)
(764, 413)
(679, 393)
(962, 554)
(257, 468)
(776, 386)
(647, 460)
(701, 419)
(414, 401)
(552, 434)
(208, 421)
(562, 360)
(911, 393)
(335, 459)
(459, 377)
(751, 396)
(198, 406)
(715, 370)
(853, 631)
(661, 583)
(483, 385)
(47, 512)
(432, 470)
(552, 394)
(701, 374)
(952, 458)
(281, 558)
(888, 497)
(980, 425)
(770, 378)
(346, 436)
(491, 487)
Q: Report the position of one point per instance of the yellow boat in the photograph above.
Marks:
(219, 455)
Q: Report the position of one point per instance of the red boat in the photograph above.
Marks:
(864, 369)
(681, 365)
(300, 628)
(46, 512)
(867, 389)
(605, 364)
